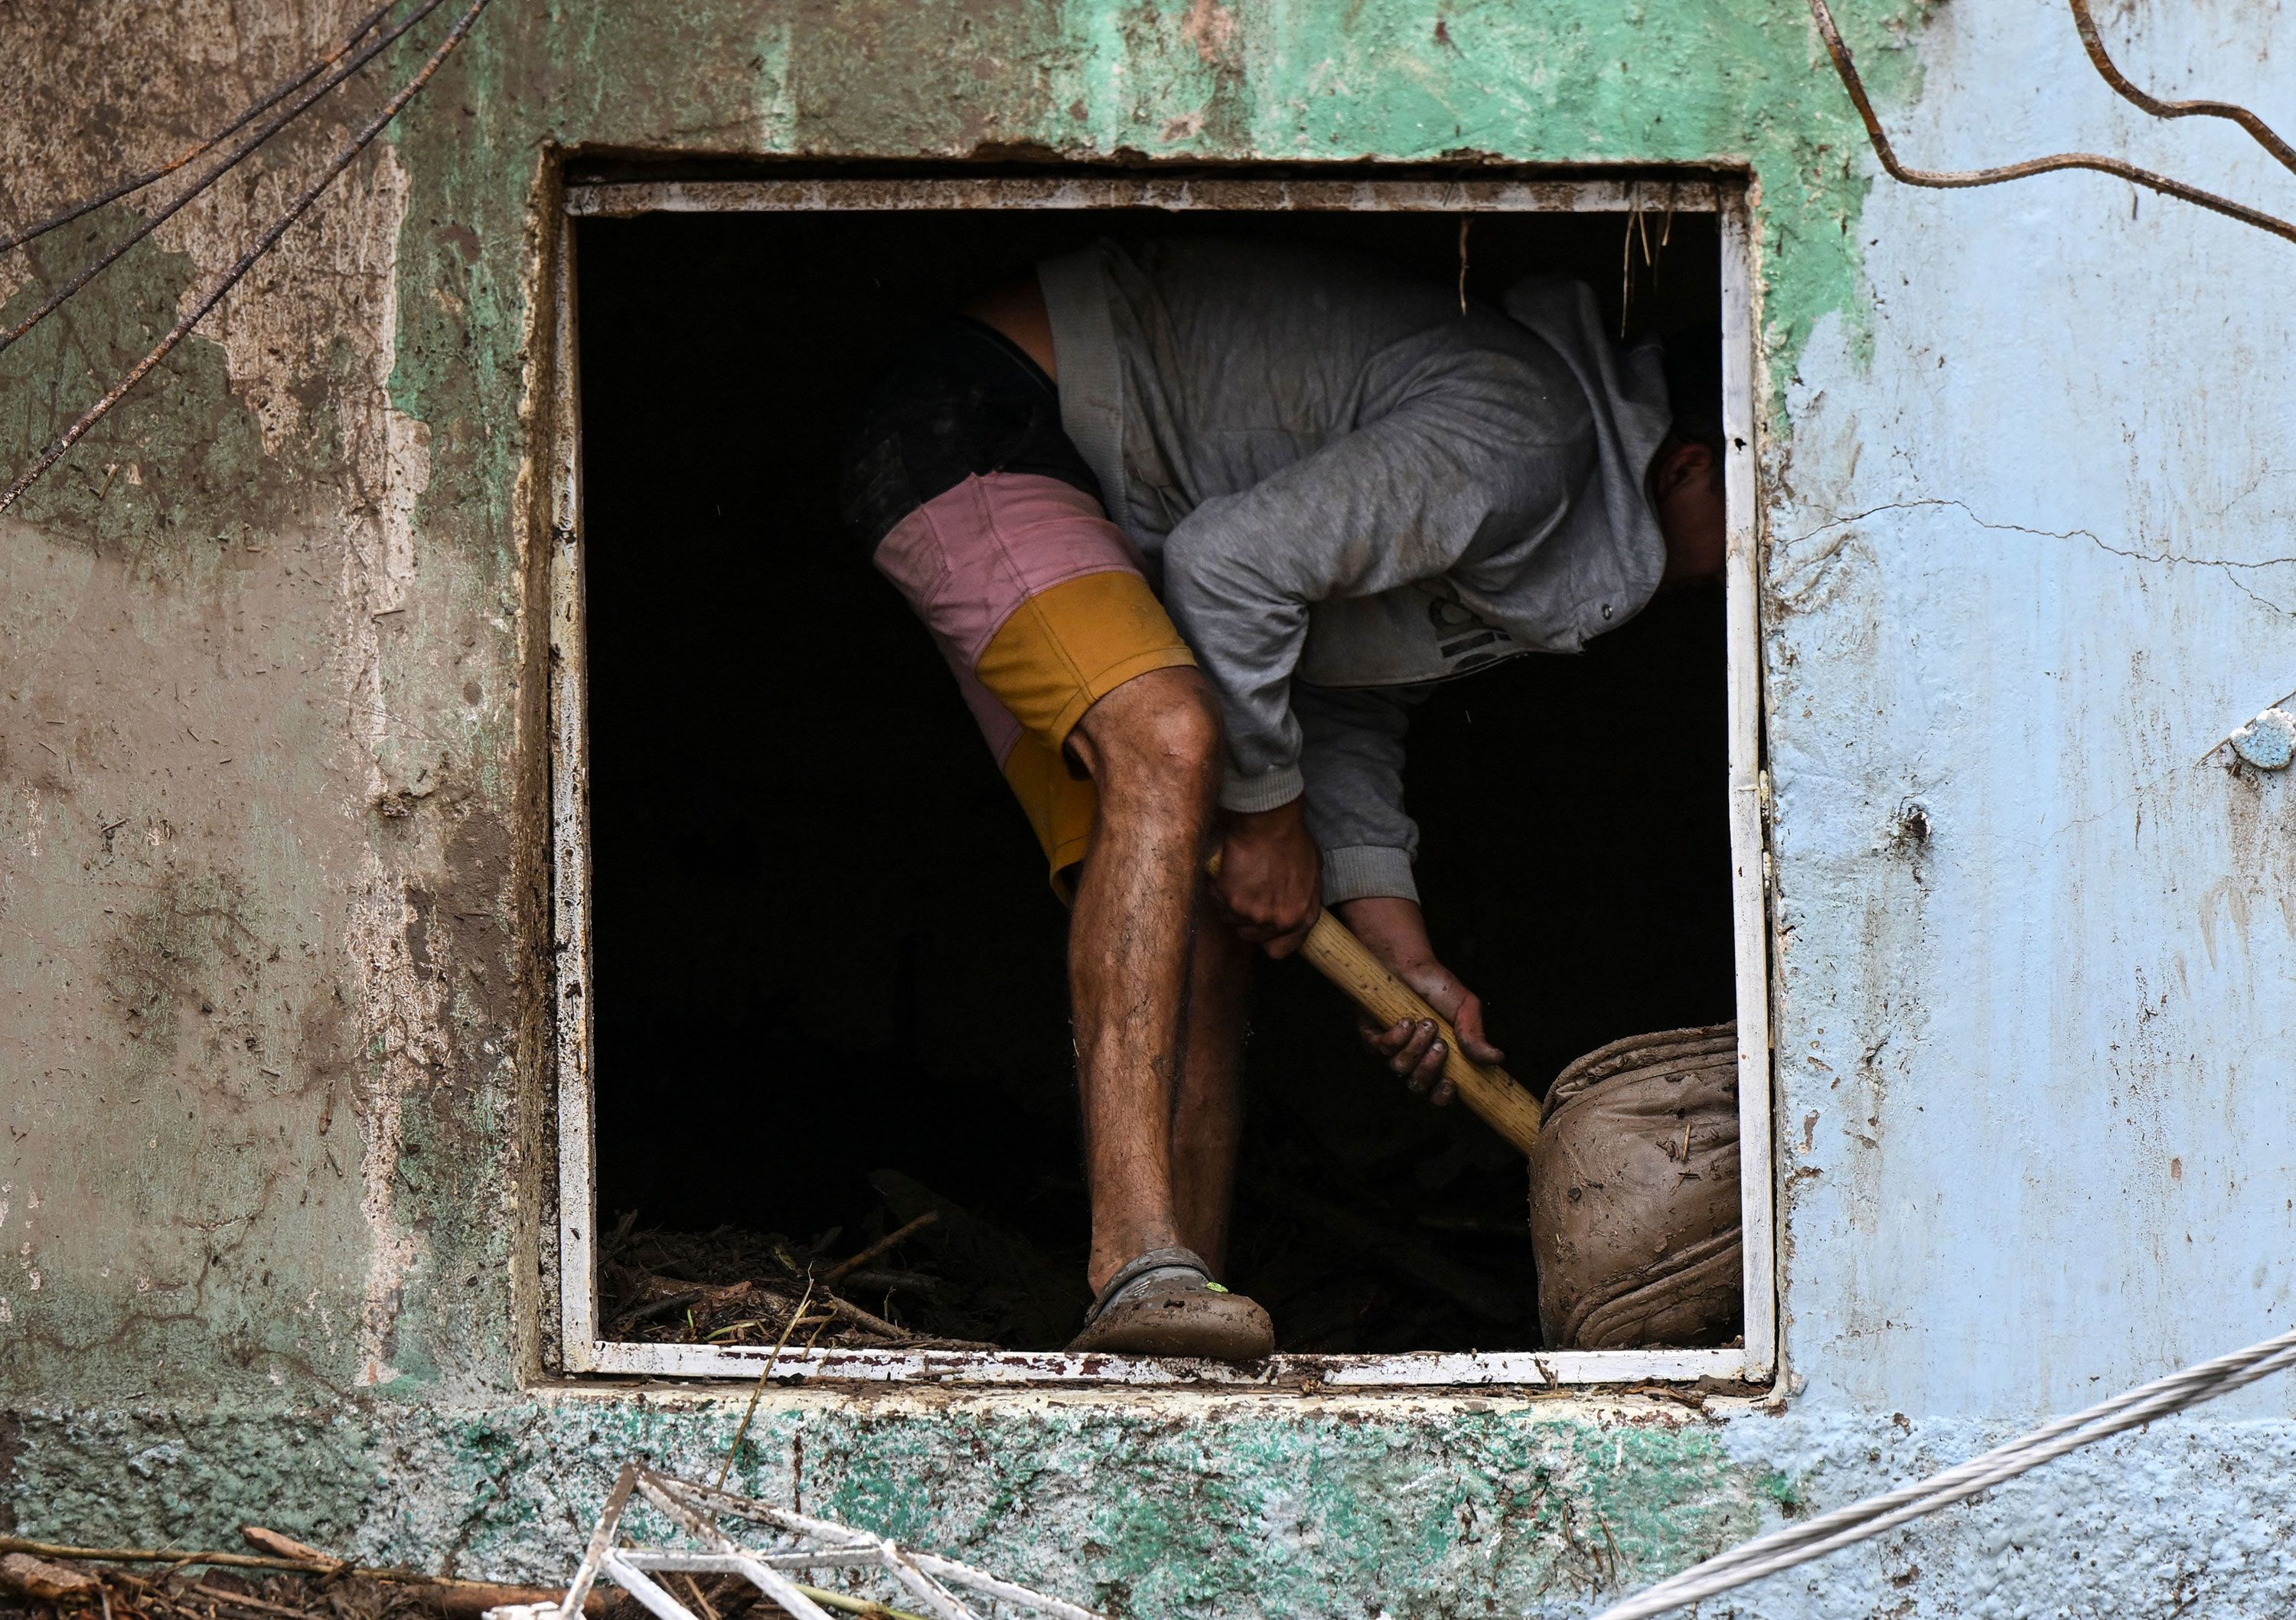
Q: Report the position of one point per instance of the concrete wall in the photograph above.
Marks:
(271, 930)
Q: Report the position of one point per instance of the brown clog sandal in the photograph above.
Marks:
(1165, 1303)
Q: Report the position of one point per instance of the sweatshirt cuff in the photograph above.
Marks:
(1264, 791)
(1365, 869)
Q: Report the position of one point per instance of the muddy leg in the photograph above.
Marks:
(1208, 1116)
(1152, 747)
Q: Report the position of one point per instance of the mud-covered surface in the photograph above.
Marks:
(930, 1275)
(1635, 1195)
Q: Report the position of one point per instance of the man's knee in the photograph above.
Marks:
(1156, 733)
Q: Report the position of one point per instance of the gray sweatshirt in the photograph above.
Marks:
(1346, 489)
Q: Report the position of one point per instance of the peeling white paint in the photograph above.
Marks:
(397, 1013)
(333, 276)
(2268, 741)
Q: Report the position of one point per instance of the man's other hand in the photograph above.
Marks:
(1268, 876)
(1395, 930)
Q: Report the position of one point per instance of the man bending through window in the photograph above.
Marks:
(1193, 523)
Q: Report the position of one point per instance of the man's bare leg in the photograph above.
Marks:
(1152, 747)
(1208, 1116)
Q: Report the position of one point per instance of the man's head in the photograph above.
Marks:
(1685, 492)
(1686, 475)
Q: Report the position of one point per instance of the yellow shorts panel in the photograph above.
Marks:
(1066, 647)
(1061, 651)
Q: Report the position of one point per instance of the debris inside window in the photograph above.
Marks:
(829, 976)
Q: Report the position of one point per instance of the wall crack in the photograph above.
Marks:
(2230, 567)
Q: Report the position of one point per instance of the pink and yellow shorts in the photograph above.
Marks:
(1038, 604)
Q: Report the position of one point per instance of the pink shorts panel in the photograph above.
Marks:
(969, 556)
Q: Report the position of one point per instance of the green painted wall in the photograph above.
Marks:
(279, 887)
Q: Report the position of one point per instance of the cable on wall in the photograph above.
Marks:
(136, 182)
(1782, 1549)
(215, 172)
(246, 261)
(2093, 42)
(1954, 179)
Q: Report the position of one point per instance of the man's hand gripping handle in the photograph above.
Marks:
(1490, 1091)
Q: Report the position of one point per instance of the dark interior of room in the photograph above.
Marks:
(824, 945)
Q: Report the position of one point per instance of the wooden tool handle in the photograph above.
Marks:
(1491, 1092)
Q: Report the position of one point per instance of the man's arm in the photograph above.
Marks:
(1395, 930)
(1351, 758)
(1350, 815)
(1402, 499)
(1405, 498)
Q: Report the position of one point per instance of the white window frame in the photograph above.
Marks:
(582, 1350)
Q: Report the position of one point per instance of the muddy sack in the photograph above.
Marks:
(1634, 1195)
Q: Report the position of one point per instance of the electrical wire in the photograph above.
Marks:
(246, 261)
(111, 255)
(1845, 1527)
(2093, 42)
(86, 205)
(1954, 179)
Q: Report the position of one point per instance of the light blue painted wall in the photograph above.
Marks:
(2031, 559)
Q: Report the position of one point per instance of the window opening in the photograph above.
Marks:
(824, 973)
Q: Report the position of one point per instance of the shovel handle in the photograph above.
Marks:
(1491, 1093)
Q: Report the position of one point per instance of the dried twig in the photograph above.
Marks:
(288, 1547)
(159, 1555)
(860, 1318)
(216, 1595)
(1955, 179)
(743, 1433)
(457, 1595)
(246, 261)
(693, 1588)
(2094, 43)
(646, 1312)
(136, 182)
(882, 1245)
(716, 1334)
(852, 1605)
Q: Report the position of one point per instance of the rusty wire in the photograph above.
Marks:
(246, 261)
(88, 204)
(2094, 43)
(216, 172)
(1955, 179)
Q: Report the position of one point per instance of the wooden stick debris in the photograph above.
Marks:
(726, 1470)
(160, 1555)
(657, 1307)
(851, 1605)
(239, 1600)
(846, 1267)
(860, 1318)
(456, 1597)
(43, 1582)
(287, 1547)
(1490, 1093)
